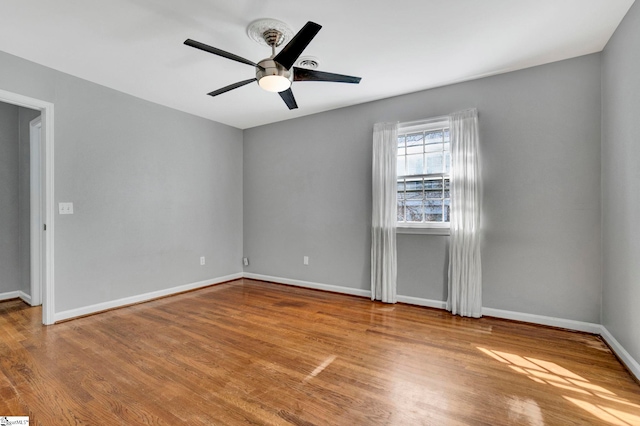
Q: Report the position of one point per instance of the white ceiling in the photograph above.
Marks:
(397, 47)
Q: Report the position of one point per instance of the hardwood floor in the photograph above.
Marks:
(249, 352)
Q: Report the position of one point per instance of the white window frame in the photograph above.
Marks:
(433, 228)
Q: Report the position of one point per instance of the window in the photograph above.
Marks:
(424, 162)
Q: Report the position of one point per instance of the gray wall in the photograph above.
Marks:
(25, 116)
(621, 183)
(9, 219)
(14, 198)
(153, 190)
(307, 191)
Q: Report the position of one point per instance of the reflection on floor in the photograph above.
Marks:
(250, 352)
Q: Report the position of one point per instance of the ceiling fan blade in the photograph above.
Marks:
(219, 52)
(287, 97)
(288, 55)
(231, 87)
(304, 74)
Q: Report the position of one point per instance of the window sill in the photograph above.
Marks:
(427, 230)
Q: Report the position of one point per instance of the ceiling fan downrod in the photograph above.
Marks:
(273, 38)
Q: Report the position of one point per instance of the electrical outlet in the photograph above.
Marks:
(305, 260)
(245, 261)
(202, 260)
(65, 208)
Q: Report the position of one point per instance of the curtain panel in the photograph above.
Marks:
(465, 271)
(384, 213)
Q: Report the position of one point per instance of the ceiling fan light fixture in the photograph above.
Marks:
(274, 83)
(272, 76)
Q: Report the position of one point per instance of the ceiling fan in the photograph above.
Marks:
(276, 73)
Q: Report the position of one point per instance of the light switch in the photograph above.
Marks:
(65, 208)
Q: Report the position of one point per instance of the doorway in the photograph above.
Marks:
(41, 143)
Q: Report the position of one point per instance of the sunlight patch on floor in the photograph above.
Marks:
(611, 415)
(550, 373)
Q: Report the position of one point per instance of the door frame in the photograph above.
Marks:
(35, 207)
(47, 196)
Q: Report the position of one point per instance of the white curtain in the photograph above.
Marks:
(384, 214)
(465, 271)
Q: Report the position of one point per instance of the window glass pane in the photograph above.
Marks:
(433, 210)
(415, 149)
(400, 142)
(413, 210)
(400, 166)
(433, 188)
(434, 137)
(400, 211)
(447, 210)
(415, 139)
(415, 164)
(414, 184)
(415, 189)
(424, 200)
(434, 163)
(434, 147)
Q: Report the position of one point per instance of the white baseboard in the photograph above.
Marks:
(438, 304)
(16, 294)
(92, 309)
(587, 327)
(599, 329)
(24, 296)
(9, 295)
(621, 352)
(308, 284)
(516, 316)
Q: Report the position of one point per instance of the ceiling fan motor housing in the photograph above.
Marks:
(272, 71)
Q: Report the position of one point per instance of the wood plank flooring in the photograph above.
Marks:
(250, 352)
